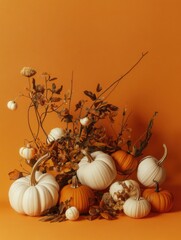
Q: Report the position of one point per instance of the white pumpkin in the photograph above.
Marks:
(27, 152)
(12, 105)
(150, 169)
(33, 194)
(122, 190)
(72, 213)
(55, 133)
(136, 207)
(96, 170)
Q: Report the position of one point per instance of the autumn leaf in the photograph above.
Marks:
(52, 79)
(15, 174)
(58, 91)
(55, 99)
(91, 95)
(99, 88)
(54, 87)
(106, 216)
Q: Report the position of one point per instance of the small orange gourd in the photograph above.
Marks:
(125, 162)
(161, 200)
(78, 195)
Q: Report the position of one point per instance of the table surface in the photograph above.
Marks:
(156, 226)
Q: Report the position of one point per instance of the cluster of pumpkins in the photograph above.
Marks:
(35, 193)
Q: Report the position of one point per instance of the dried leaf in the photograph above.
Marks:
(47, 218)
(113, 107)
(67, 118)
(91, 95)
(58, 91)
(52, 79)
(66, 170)
(99, 88)
(94, 211)
(59, 218)
(15, 174)
(55, 99)
(61, 208)
(106, 216)
(99, 144)
(54, 87)
(78, 105)
(97, 103)
(93, 217)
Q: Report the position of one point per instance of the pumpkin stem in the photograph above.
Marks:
(74, 182)
(157, 189)
(90, 158)
(138, 195)
(40, 160)
(164, 155)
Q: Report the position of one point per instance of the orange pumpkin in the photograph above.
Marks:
(79, 196)
(125, 162)
(161, 200)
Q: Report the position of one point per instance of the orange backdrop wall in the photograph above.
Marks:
(99, 40)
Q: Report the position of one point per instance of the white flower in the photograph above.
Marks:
(27, 72)
(85, 121)
(12, 105)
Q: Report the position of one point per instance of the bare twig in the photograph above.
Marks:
(115, 83)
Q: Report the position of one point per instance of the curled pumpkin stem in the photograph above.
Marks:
(90, 158)
(40, 160)
(157, 188)
(74, 182)
(164, 155)
(138, 194)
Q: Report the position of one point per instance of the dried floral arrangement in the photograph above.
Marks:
(74, 170)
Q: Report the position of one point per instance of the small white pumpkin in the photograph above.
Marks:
(35, 193)
(136, 207)
(27, 152)
(12, 105)
(150, 169)
(96, 170)
(55, 133)
(72, 213)
(122, 190)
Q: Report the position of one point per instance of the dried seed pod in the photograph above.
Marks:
(27, 72)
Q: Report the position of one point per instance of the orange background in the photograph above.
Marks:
(99, 40)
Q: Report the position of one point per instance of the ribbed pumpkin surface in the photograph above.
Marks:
(80, 197)
(124, 161)
(161, 201)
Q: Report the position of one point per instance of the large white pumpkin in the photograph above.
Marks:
(150, 169)
(97, 170)
(35, 193)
